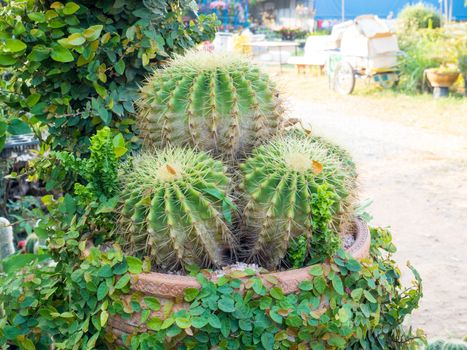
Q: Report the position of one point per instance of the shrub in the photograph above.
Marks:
(74, 67)
(422, 50)
(419, 16)
(216, 102)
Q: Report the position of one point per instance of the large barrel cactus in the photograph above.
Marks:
(175, 203)
(215, 102)
(295, 188)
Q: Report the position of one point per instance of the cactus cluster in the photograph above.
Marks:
(293, 187)
(174, 208)
(295, 191)
(214, 102)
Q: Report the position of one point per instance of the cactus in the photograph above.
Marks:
(32, 244)
(293, 187)
(6, 239)
(215, 102)
(442, 344)
(174, 208)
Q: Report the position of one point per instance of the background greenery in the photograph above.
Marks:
(71, 68)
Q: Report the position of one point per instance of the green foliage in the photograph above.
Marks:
(419, 48)
(74, 67)
(295, 186)
(65, 304)
(418, 16)
(343, 305)
(66, 296)
(99, 171)
(93, 180)
(175, 208)
(215, 102)
(429, 48)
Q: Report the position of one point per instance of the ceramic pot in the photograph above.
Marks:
(169, 288)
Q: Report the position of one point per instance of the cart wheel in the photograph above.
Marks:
(344, 78)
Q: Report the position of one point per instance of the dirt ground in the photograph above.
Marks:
(411, 153)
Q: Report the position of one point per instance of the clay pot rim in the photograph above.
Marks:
(435, 71)
(173, 286)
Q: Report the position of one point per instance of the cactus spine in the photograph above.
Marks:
(174, 202)
(214, 102)
(293, 187)
(6, 239)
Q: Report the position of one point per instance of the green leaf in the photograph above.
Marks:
(214, 321)
(70, 8)
(18, 127)
(152, 303)
(305, 285)
(183, 322)
(215, 193)
(130, 33)
(316, 270)
(190, 294)
(120, 67)
(105, 271)
(227, 212)
(277, 293)
(108, 206)
(337, 284)
(154, 323)
(226, 304)
(320, 284)
(102, 291)
(93, 32)
(14, 45)
(32, 100)
(267, 340)
(122, 282)
(92, 341)
(356, 294)
(369, 296)
(37, 17)
(6, 60)
(344, 314)
(199, 322)
(39, 53)
(135, 265)
(73, 40)
(337, 340)
(61, 54)
(104, 318)
(119, 145)
(26, 344)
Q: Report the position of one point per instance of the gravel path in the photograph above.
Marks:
(418, 181)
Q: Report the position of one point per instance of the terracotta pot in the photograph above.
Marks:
(441, 79)
(170, 288)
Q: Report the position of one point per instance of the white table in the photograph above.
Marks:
(273, 44)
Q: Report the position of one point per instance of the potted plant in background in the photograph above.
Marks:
(442, 78)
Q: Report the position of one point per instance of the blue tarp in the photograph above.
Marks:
(331, 9)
